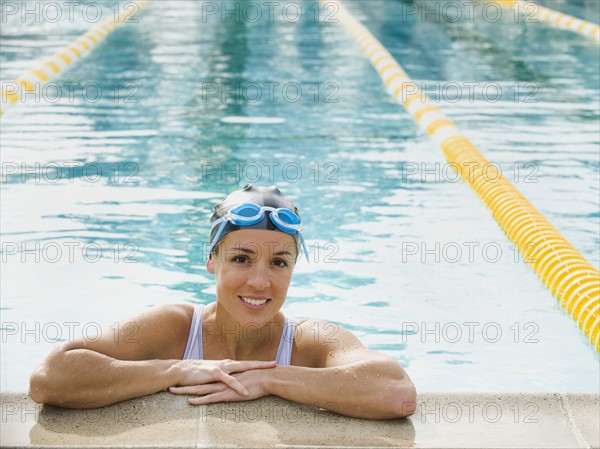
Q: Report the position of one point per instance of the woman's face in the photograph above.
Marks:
(253, 270)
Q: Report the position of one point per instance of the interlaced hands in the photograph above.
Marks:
(222, 380)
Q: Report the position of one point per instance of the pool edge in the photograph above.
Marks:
(484, 420)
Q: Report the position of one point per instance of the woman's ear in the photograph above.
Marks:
(209, 265)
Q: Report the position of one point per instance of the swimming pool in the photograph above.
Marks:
(189, 103)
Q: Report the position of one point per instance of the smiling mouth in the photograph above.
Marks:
(254, 301)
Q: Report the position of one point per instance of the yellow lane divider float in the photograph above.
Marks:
(555, 18)
(36, 78)
(566, 273)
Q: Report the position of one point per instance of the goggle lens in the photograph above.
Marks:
(248, 210)
(286, 216)
(248, 214)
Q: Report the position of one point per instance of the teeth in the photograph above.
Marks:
(254, 302)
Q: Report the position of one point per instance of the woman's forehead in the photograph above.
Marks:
(262, 237)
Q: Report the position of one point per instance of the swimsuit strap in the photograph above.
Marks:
(284, 352)
(193, 348)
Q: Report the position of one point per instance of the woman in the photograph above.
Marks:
(241, 346)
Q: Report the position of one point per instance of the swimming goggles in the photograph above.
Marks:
(248, 214)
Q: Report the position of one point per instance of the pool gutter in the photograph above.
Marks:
(448, 420)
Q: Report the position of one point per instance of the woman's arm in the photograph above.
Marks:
(375, 388)
(82, 378)
(344, 376)
(142, 359)
(341, 375)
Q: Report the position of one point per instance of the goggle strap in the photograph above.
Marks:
(304, 246)
(295, 228)
(240, 220)
(218, 236)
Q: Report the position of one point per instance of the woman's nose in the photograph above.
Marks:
(258, 278)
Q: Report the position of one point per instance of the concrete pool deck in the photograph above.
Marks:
(442, 420)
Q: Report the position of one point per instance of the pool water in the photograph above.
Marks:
(107, 191)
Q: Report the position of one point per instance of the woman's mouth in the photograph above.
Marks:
(254, 302)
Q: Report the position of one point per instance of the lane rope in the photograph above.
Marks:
(565, 272)
(555, 18)
(35, 79)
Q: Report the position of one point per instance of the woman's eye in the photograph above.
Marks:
(240, 259)
(280, 263)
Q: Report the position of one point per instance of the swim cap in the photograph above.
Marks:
(263, 196)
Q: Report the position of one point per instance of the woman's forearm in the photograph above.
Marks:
(373, 391)
(80, 378)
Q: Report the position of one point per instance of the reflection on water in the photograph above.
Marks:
(121, 188)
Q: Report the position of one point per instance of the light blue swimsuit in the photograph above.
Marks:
(193, 349)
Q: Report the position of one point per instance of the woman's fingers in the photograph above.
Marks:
(209, 398)
(236, 366)
(199, 389)
(234, 384)
(201, 376)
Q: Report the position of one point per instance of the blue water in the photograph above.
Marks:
(194, 105)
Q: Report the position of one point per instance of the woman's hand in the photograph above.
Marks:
(204, 377)
(244, 386)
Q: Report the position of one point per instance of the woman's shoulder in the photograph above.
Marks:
(316, 339)
(176, 312)
(308, 323)
(173, 320)
(319, 331)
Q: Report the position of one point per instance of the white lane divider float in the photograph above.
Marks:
(35, 79)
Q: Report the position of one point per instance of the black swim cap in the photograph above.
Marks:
(263, 196)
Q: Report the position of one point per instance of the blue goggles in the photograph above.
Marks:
(248, 214)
